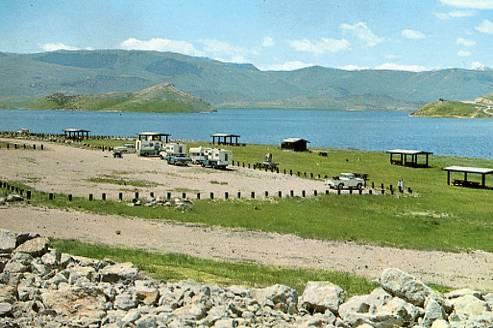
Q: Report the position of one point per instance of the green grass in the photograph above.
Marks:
(436, 216)
(452, 109)
(179, 267)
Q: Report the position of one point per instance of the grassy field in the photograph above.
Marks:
(452, 109)
(179, 267)
(436, 216)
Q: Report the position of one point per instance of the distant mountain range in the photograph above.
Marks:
(24, 77)
(162, 97)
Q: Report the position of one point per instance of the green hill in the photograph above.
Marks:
(455, 109)
(164, 98)
(231, 85)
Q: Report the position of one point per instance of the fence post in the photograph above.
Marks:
(291, 193)
(152, 194)
(279, 194)
(370, 191)
(253, 194)
(103, 196)
(350, 190)
(168, 195)
(360, 191)
(69, 197)
(226, 195)
(184, 195)
(303, 193)
(327, 191)
(338, 191)
(120, 196)
(212, 195)
(90, 197)
(238, 194)
(410, 190)
(28, 194)
(266, 194)
(290, 172)
(315, 193)
(136, 195)
(198, 195)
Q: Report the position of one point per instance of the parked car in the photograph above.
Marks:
(178, 160)
(346, 181)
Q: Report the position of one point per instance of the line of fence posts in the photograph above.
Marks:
(22, 146)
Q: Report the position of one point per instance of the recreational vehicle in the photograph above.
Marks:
(218, 159)
(199, 154)
(150, 143)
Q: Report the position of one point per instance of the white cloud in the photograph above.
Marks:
(412, 34)
(464, 53)
(58, 46)
(465, 42)
(321, 46)
(159, 44)
(361, 31)
(478, 66)
(351, 67)
(399, 67)
(486, 27)
(455, 14)
(217, 46)
(267, 41)
(286, 66)
(473, 4)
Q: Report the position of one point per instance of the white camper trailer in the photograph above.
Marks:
(218, 159)
(150, 143)
(174, 149)
(199, 154)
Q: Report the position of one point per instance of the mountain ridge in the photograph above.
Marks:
(90, 72)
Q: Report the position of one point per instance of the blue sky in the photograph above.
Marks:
(280, 35)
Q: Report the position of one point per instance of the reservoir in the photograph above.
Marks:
(375, 131)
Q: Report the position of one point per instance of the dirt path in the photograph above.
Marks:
(70, 170)
(472, 269)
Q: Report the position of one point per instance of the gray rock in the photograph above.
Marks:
(463, 292)
(279, 297)
(119, 272)
(7, 241)
(35, 247)
(405, 286)
(2, 201)
(440, 323)
(147, 321)
(469, 305)
(7, 294)
(5, 309)
(433, 311)
(25, 236)
(319, 296)
(131, 316)
(146, 292)
(125, 301)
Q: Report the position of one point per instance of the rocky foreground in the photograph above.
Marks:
(41, 287)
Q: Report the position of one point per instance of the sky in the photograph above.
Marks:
(412, 35)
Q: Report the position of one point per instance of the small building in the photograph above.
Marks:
(465, 170)
(295, 144)
(76, 134)
(225, 139)
(409, 157)
(153, 136)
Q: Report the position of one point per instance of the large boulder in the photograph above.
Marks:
(469, 305)
(5, 309)
(35, 247)
(146, 292)
(405, 286)
(7, 241)
(319, 296)
(433, 311)
(119, 272)
(279, 297)
(83, 306)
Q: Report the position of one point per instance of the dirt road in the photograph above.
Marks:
(472, 269)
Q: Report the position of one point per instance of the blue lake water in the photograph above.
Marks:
(336, 129)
